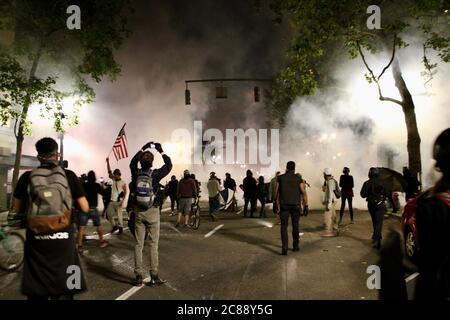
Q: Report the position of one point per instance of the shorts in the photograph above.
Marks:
(93, 215)
(184, 205)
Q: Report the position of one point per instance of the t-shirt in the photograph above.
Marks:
(92, 191)
(116, 189)
(47, 257)
(213, 188)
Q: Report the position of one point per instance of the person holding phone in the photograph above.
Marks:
(144, 205)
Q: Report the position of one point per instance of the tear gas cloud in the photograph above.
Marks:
(345, 125)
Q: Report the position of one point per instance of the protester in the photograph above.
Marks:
(250, 193)
(262, 195)
(50, 245)
(186, 190)
(213, 187)
(115, 205)
(331, 195)
(346, 184)
(145, 206)
(375, 195)
(289, 190)
(92, 189)
(412, 184)
(229, 182)
(433, 225)
(106, 198)
(275, 210)
(172, 193)
(197, 183)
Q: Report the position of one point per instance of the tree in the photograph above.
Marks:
(322, 29)
(49, 61)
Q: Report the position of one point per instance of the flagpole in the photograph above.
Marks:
(115, 140)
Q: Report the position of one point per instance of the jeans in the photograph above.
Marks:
(173, 201)
(252, 200)
(377, 213)
(112, 211)
(148, 220)
(262, 200)
(330, 218)
(294, 212)
(350, 207)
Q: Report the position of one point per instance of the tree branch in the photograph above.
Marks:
(365, 62)
(392, 57)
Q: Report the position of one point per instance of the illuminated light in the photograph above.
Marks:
(339, 154)
(308, 153)
(333, 136)
(334, 157)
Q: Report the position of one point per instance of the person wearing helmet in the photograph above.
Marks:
(433, 225)
(331, 195)
(187, 190)
(375, 195)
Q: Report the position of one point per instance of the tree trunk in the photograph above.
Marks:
(414, 158)
(20, 136)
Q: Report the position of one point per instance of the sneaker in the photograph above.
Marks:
(187, 226)
(176, 225)
(296, 249)
(114, 229)
(103, 244)
(284, 252)
(138, 281)
(340, 221)
(120, 231)
(156, 281)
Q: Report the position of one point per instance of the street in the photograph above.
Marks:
(234, 258)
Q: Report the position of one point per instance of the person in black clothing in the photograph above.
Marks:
(48, 256)
(412, 184)
(289, 191)
(346, 184)
(172, 193)
(433, 225)
(250, 193)
(262, 196)
(92, 189)
(229, 182)
(375, 195)
(147, 220)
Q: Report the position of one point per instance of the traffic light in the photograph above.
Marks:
(187, 97)
(256, 94)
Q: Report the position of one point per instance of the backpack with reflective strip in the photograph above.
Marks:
(50, 200)
(144, 189)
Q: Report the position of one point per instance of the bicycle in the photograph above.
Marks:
(195, 214)
(12, 245)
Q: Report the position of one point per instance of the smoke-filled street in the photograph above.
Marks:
(239, 261)
(224, 150)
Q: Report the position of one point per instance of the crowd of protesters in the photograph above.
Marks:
(50, 194)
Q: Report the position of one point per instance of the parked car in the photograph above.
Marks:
(410, 230)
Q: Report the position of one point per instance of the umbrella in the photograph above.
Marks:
(392, 180)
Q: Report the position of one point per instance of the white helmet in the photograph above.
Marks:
(327, 171)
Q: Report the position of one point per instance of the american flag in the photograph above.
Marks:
(120, 146)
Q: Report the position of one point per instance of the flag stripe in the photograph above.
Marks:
(120, 146)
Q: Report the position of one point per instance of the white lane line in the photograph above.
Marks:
(106, 235)
(411, 277)
(165, 209)
(209, 234)
(132, 291)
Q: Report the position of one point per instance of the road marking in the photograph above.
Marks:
(245, 276)
(106, 235)
(132, 291)
(266, 224)
(209, 234)
(165, 209)
(411, 277)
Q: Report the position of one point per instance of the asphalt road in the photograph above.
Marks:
(235, 258)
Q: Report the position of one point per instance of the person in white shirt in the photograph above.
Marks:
(331, 189)
(118, 194)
